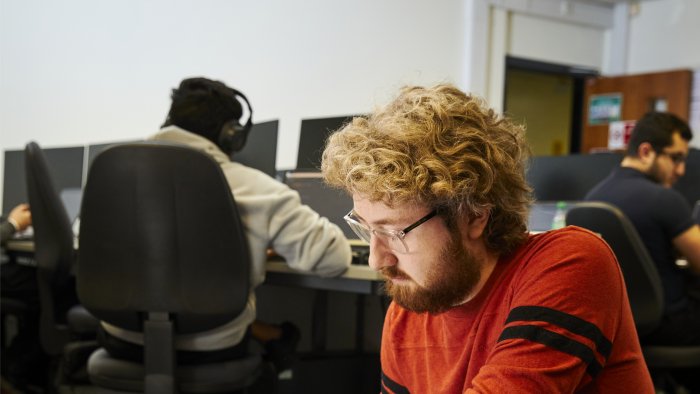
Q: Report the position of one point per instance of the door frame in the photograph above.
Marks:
(576, 73)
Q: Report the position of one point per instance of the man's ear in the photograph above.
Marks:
(476, 225)
(646, 152)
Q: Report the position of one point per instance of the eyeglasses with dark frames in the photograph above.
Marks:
(394, 239)
(677, 158)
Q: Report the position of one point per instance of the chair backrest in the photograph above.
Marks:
(160, 233)
(641, 277)
(53, 249)
(569, 177)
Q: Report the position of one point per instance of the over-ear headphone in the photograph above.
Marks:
(233, 135)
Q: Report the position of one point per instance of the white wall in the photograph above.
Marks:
(77, 72)
(664, 35)
(545, 30)
(541, 38)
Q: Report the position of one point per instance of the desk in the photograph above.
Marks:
(17, 245)
(358, 279)
(21, 251)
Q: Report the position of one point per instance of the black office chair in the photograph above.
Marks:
(54, 254)
(9, 307)
(61, 320)
(641, 278)
(163, 252)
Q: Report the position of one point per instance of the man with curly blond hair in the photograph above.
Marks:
(479, 304)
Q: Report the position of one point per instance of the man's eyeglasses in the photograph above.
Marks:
(392, 238)
(677, 158)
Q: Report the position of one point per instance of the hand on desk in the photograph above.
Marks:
(20, 217)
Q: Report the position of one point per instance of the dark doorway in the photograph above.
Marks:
(548, 99)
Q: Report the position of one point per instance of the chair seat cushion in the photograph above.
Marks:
(108, 372)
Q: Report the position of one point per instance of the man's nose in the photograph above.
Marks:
(379, 254)
(680, 169)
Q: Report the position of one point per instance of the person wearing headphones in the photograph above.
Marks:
(206, 115)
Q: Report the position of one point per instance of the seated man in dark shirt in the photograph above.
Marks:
(641, 188)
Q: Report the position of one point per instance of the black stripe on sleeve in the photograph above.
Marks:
(564, 320)
(555, 341)
(393, 386)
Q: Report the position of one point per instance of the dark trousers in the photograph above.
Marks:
(23, 356)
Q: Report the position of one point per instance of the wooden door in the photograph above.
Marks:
(635, 95)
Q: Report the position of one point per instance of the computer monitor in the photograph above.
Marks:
(312, 139)
(65, 166)
(260, 150)
(71, 198)
(327, 201)
(542, 215)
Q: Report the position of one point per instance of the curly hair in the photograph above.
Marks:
(440, 147)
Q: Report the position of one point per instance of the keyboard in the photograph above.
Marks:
(25, 235)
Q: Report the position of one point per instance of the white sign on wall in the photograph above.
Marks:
(619, 134)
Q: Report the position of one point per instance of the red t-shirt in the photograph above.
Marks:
(553, 317)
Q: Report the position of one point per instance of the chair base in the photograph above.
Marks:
(124, 376)
(663, 360)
